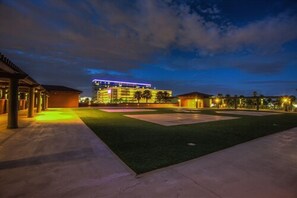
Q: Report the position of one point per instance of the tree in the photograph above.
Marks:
(159, 96)
(249, 102)
(165, 96)
(292, 98)
(147, 94)
(228, 100)
(256, 99)
(137, 95)
(220, 95)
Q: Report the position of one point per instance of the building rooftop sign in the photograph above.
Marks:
(122, 82)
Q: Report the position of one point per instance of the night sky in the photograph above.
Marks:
(210, 46)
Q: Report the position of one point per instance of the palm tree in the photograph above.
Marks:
(256, 101)
(165, 96)
(159, 96)
(147, 94)
(137, 95)
(228, 100)
(292, 98)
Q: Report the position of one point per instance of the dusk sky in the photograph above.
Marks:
(211, 46)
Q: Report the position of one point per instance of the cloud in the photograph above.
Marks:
(267, 35)
(132, 31)
(61, 37)
(294, 82)
(91, 71)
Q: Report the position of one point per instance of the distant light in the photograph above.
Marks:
(109, 91)
(285, 100)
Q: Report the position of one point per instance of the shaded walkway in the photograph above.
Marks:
(64, 158)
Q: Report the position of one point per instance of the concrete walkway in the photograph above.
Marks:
(64, 158)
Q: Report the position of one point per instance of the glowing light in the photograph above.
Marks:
(122, 82)
(285, 100)
(109, 91)
(217, 100)
(48, 116)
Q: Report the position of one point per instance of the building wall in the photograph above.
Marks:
(125, 95)
(207, 102)
(192, 103)
(3, 106)
(63, 99)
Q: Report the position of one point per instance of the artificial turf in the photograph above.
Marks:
(145, 146)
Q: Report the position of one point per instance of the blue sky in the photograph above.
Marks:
(211, 46)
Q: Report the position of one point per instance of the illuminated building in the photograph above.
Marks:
(99, 84)
(123, 92)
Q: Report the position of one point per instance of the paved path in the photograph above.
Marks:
(65, 158)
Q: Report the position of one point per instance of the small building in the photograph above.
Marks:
(61, 96)
(194, 100)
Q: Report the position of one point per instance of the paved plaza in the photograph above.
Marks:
(54, 158)
(119, 110)
(249, 113)
(172, 119)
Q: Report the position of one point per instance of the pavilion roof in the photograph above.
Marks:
(59, 88)
(195, 95)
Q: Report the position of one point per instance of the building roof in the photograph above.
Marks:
(195, 94)
(59, 88)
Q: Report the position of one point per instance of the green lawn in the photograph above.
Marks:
(145, 146)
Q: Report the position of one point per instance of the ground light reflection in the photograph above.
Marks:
(54, 115)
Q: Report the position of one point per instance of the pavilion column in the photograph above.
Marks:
(31, 101)
(44, 97)
(235, 103)
(46, 102)
(13, 104)
(38, 96)
(196, 103)
(4, 96)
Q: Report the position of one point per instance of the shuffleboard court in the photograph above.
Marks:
(171, 119)
(249, 113)
(125, 110)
